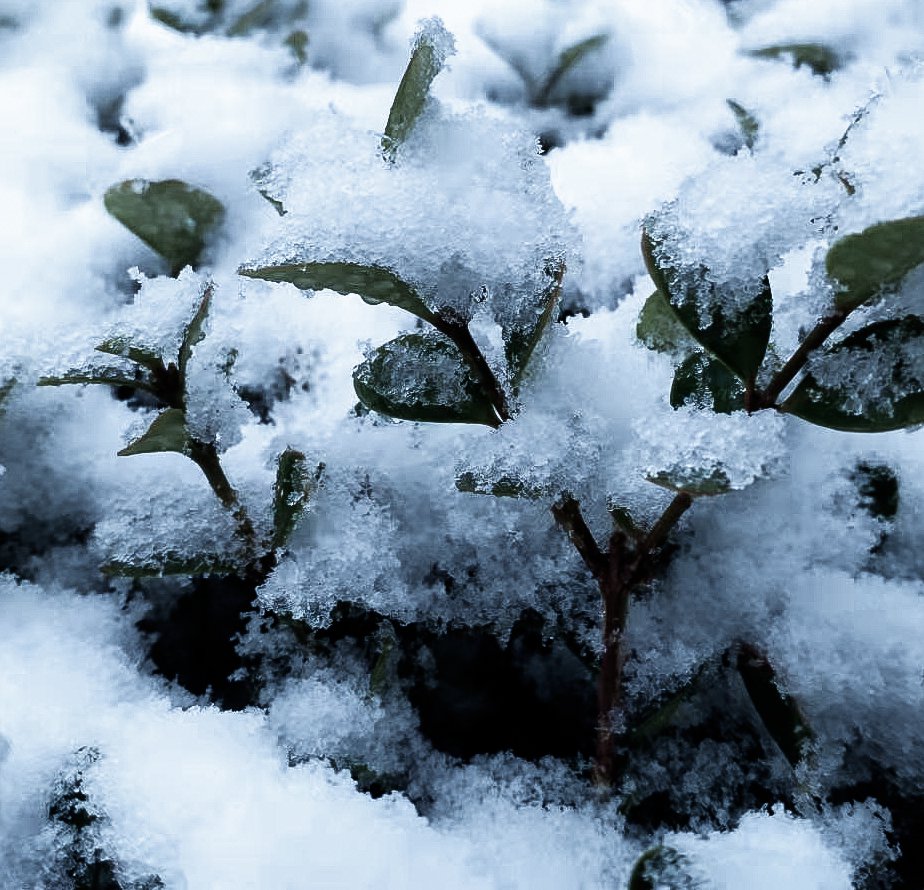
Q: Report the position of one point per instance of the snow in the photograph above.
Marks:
(329, 774)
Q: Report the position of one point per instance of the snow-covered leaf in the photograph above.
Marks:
(295, 483)
(147, 358)
(567, 59)
(691, 481)
(659, 328)
(747, 123)
(780, 713)
(504, 486)
(738, 337)
(171, 217)
(422, 376)
(166, 433)
(870, 382)
(822, 60)
(704, 382)
(661, 867)
(120, 375)
(520, 343)
(874, 260)
(195, 331)
(432, 45)
(374, 284)
(171, 564)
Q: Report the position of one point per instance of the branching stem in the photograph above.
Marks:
(618, 571)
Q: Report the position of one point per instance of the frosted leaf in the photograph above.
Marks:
(738, 218)
(157, 318)
(471, 181)
(737, 448)
(872, 381)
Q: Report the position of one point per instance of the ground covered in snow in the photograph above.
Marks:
(344, 647)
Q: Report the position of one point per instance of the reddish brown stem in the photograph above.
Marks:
(618, 571)
(817, 336)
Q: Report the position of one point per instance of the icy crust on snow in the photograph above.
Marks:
(468, 180)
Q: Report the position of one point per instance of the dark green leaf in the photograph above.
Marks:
(737, 338)
(295, 484)
(147, 358)
(427, 60)
(870, 382)
(6, 387)
(521, 343)
(172, 20)
(258, 16)
(567, 59)
(778, 712)
(821, 59)
(422, 377)
(171, 563)
(297, 42)
(110, 376)
(704, 382)
(746, 121)
(195, 331)
(373, 283)
(171, 217)
(661, 867)
(659, 328)
(504, 486)
(696, 483)
(166, 433)
(875, 260)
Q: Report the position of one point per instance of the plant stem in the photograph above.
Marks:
(462, 337)
(786, 374)
(618, 571)
(205, 456)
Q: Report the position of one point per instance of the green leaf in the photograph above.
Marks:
(821, 59)
(110, 376)
(297, 43)
(746, 121)
(778, 712)
(140, 355)
(294, 487)
(625, 521)
(258, 16)
(696, 483)
(374, 284)
(166, 433)
(704, 382)
(171, 563)
(427, 59)
(6, 387)
(171, 217)
(422, 377)
(521, 343)
(875, 260)
(504, 486)
(659, 329)
(195, 331)
(172, 20)
(567, 60)
(661, 867)
(738, 339)
(870, 382)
